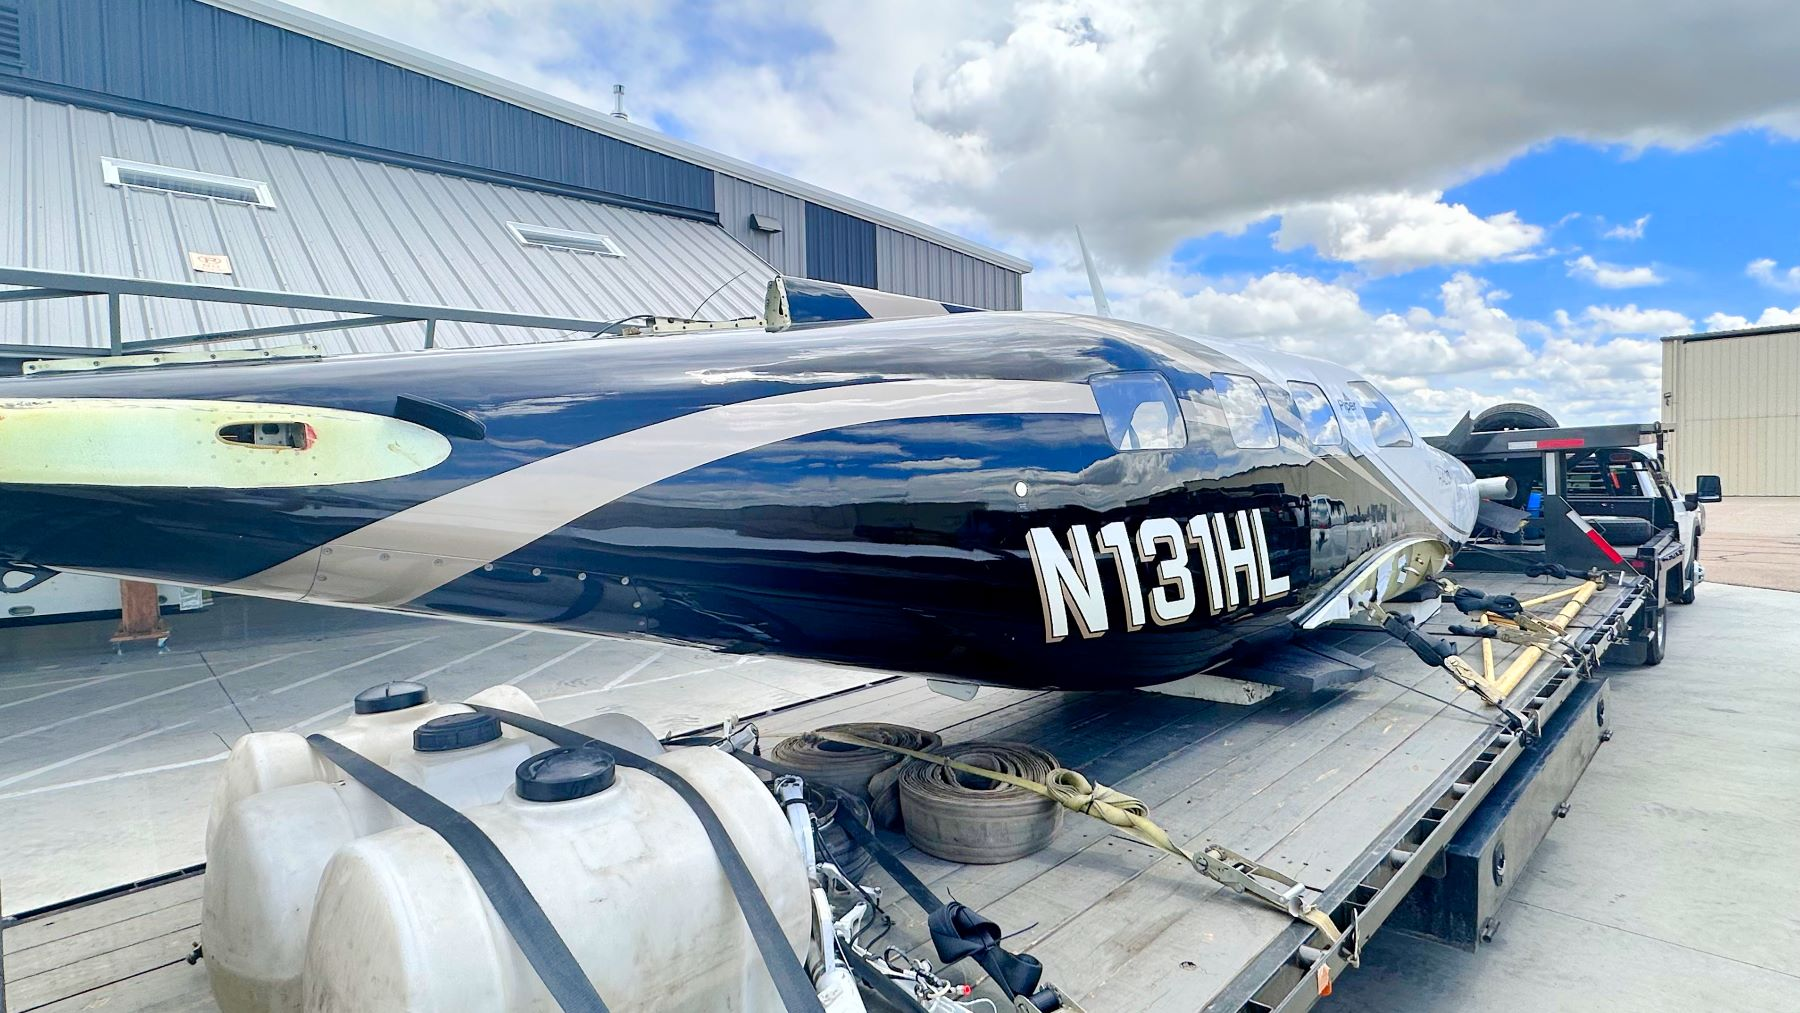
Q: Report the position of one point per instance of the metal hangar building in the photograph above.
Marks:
(231, 173)
(1734, 399)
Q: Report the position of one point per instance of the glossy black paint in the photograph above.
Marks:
(897, 545)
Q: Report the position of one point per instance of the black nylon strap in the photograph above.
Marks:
(957, 930)
(512, 899)
(791, 981)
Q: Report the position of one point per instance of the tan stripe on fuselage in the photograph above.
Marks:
(415, 551)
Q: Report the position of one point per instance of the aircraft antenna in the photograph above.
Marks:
(1101, 306)
(709, 296)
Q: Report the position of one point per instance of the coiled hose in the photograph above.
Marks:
(850, 766)
(963, 817)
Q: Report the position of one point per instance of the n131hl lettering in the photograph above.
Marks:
(1226, 555)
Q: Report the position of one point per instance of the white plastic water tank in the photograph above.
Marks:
(620, 865)
(271, 848)
(379, 727)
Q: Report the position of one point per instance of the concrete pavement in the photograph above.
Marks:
(1753, 541)
(1671, 885)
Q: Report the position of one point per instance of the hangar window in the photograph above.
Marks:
(1384, 422)
(564, 239)
(1246, 411)
(1139, 411)
(1316, 415)
(191, 182)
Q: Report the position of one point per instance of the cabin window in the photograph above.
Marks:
(1246, 411)
(1139, 411)
(1317, 418)
(1387, 425)
(564, 239)
(193, 183)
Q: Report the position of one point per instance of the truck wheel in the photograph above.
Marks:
(1513, 415)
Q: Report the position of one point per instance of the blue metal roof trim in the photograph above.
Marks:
(267, 78)
(840, 247)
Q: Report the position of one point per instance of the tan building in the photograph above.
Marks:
(1734, 399)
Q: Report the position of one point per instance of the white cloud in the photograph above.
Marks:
(1170, 118)
(1632, 232)
(1770, 274)
(1629, 319)
(1149, 120)
(1401, 231)
(1612, 275)
(1462, 354)
(1154, 121)
(1773, 316)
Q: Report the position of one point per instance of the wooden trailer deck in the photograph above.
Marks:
(1331, 789)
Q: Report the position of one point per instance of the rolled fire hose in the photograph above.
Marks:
(850, 766)
(964, 817)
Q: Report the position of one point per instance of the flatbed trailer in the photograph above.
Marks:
(1362, 792)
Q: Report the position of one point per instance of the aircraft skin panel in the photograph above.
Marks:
(943, 495)
(911, 534)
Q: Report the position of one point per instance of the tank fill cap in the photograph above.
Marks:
(455, 731)
(391, 696)
(564, 773)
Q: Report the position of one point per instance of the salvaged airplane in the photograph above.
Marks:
(1012, 498)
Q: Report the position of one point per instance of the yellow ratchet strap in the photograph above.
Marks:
(1072, 790)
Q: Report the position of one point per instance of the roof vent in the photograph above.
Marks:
(619, 102)
(190, 182)
(564, 239)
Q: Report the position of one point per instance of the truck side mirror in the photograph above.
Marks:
(1707, 489)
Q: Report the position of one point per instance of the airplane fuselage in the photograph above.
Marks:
(1018, 499)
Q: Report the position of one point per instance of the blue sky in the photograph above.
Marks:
(1433, 194)
(1711, 210)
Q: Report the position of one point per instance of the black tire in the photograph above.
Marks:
(1513, 415)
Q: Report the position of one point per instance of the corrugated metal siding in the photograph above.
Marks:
(342, 226)
(191, 56)
(737, 200)
(912, 266)
(840, 248)
(1735, 404)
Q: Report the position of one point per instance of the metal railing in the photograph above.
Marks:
(45, 285)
